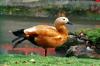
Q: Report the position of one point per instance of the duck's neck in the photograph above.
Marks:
(62, 29)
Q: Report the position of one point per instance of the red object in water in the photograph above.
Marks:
(97, 0)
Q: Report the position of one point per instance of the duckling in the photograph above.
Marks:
(45, 36)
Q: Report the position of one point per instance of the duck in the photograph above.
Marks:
(46, 36)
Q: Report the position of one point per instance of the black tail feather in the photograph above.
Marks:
(21, 37)
(19, 33)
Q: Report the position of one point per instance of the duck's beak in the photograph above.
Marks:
(69, 23)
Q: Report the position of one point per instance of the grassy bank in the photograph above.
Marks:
(21, 60)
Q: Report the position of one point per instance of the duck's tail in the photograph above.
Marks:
(20, 37)
(19, 33)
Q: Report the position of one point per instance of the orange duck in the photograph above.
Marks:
(44, 35)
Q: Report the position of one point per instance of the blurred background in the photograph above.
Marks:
(21, 14)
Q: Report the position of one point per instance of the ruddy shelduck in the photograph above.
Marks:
(44, 35)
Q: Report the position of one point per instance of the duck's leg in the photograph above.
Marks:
(45, 51)
(15, 39)
(18, 42)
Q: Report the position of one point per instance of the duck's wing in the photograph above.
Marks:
(43, 30)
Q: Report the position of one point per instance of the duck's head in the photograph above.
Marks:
(62, 21)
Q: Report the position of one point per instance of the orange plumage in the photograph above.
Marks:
(49, 36)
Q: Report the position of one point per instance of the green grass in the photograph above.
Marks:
(22, 60)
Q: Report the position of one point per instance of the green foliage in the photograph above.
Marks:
(94, 35)
(52, 11)
(79, 11)
(15, 10)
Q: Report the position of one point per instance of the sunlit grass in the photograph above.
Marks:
(22, 60)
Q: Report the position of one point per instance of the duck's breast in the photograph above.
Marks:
(54, 41)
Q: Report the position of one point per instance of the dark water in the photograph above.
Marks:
(12, 23)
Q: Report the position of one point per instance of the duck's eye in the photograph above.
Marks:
(63, 19)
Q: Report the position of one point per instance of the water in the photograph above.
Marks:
(12, 23)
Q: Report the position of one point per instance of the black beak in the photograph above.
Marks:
(69, 23)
